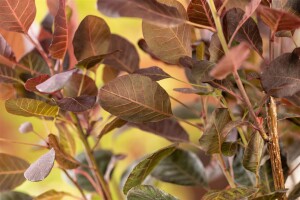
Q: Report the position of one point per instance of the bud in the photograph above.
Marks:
(26, 127)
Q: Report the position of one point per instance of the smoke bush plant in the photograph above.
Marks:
(254, 86)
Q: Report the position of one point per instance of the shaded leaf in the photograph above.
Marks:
(229, 148)
(52, 194)
(109, 74)
(148, 192)
(59, 42)
(278, 20)
(126, 58)
(144, 168)
(7, 91)
(113, 124)
(102, 158)
(199, 12)
(7, 75)
(34, 61)
(11, 195)
(11, 172)
(77, 104)
(231, 61)
(200, 91)
(168, 128)
(155, 73)
(272, 196)
(168, 44)
(233, 193)
(63, 159)
(181, 168)
(66, 140)
(93, 60)
(56, 82)
(31, 83)
(125, 97)
(281, 81)
(6, 50)
(149, 10)
(30, 107)
(215, 49)
(17, 16)
(92, 38)
(201, 69)
(248, 32)
(41, 168)
(295, 193)
(242, 176)
(253, 153)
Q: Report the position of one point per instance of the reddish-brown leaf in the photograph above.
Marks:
(231, 61)
(17, 15)
(278, 20)
(5, 49)
(59, 43)
(199, 12)
(77, 104)
(155, 73)
(31, 83)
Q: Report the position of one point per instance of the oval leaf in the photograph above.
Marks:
(181, 168)
(14, 195)
(41, 168)
(31, 83)
(11, 170)
(113, 124)
(77, 104)
(17, 15)
(126, 98)
(148, 192)
(169, 44)
(30, 107)
(144, 168)
(149, 10)
(155, 73)
(233, 193)
(199, 12)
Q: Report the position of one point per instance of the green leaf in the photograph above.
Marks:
(253, 153)
(181, 168)
(169, 44)
(215, 49)
(7, 75)
(148, 192)
(125, 97)
(295, 193)
(52, 194)
(30, 107)
(11, 170)
(102, 158)
(229, 148)
(12, 195)
(145, 167)
(272, 196)
(233, 193)
(66, 138)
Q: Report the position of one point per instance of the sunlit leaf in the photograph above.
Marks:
(17, 15)
(199, 12)
(169, 44)
(281, 81)
(62, 158)
(30, 107)
(155, 73)
(233, 193)
(31, 83)
(168, 128)
(6, 50)
(181, 168)
(148, 192)
(126, 98)
(8, 75)
(295, 193)
(92, 38)
(144, 168)
(11, 171)
(66, 139)
(52, 194)
(113, 124)
(59, 42)
(41, 168)
(11, 195)
(126, 58)
(149, 10)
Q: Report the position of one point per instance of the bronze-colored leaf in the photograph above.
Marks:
(93, 60)
(109, 74)
(11, 171)
(199, 12)
(5, 49)
(231, 61)
(169, 44)
(155, 73)
(198, 91)
(41, 168)
(52, 194)
(215, 49)
(126, 58)
(233, 193)
(77, 104)
(282, 81)
(30, 107)
(63, 159)
(59, 42)
(113, 124)
(149, 10)
(168, 128)
(31, 83)
(18, 15)
(92, 38)
(8, 75)
(126, 98)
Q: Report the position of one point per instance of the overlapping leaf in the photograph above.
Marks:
(17, 15)
(155, 73)
(30, 107)
(199, 12)
(59, 42)
(31, 83)
(5, 49)
(92, 38)
(168, 44)
(14, 195)
(113, 124)
(148, 192)
(8, 75)
(144, 168)
(126, 98)
(11, 172)
(182, 168)
(77, 104)
(35, 63)
(66, 140)
(149, 10)
(41, 168)
(233, 193)
(215, 49)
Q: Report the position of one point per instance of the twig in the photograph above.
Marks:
(90, 179)
(294, 169)
(201, 26)
(225, 171)
(226, 90)
(75, 183)
(23, 143)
